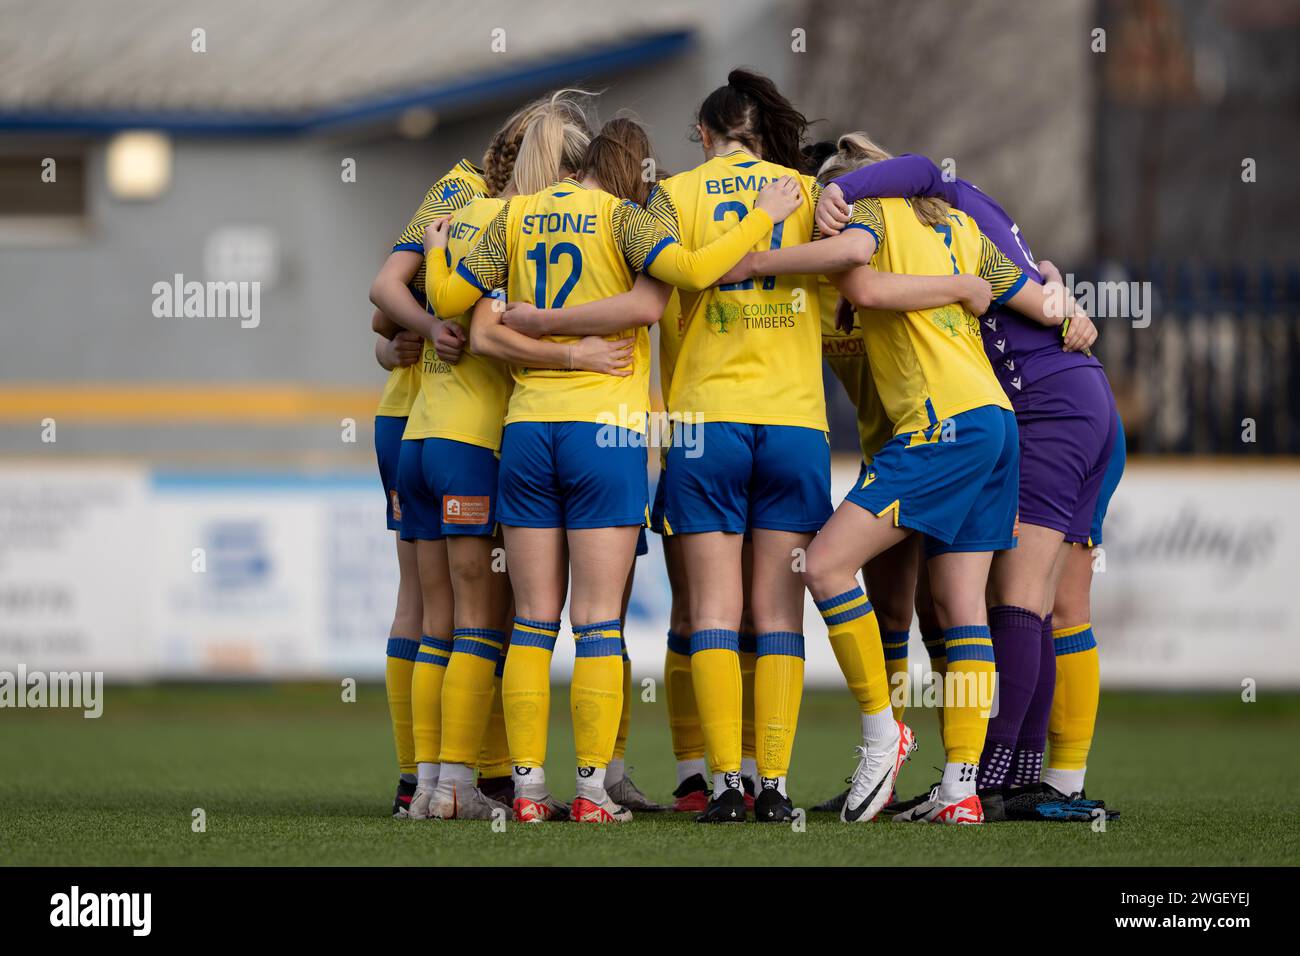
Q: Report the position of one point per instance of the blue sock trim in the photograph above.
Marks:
(748, 642)
(1074, 643)
(614, 625)
(487, 633)
(597, 645)
(434, 650)
(602, 639)
(489, 652)
(895, 643)
(715, 640)
(980, 648)
(527, 639)
(679, 644)
(542, 625)
(546, 640)
(852, 614)
(787, 643)
(839, 599)
(403, 648)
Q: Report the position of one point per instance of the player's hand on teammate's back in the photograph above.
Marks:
(595, 354)
(524, 317)
(449, 342)
(780, 198)
(436, 232)
(978, 295)
(1081, 332)
(833, 212)
(406, 348)
(1047, 269)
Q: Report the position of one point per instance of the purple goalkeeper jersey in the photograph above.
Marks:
(1020, 350)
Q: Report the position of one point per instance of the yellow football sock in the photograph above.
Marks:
(426, 697)
(625, 720)
(778, 690)
(494, 759)
(397, 682)
(895, 647)
(968, 691)
(526, 689)
(748, 662)
(855, 639)
(596, 694)
(683, 714)
(467, 691)
(715, 676)
(1074, 704)
(938, 665)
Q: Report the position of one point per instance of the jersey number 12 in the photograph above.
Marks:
(537, 255)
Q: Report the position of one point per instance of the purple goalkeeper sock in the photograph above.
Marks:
(1033, 730)
(1017, 643)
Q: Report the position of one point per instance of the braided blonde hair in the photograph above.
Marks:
(503, 152)
(855, 150)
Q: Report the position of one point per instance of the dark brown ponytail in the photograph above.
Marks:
(616, 159)
(752, 111)
(814, 154)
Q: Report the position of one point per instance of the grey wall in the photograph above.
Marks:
(80, 311)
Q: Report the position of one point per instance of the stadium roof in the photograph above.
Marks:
(289, 66)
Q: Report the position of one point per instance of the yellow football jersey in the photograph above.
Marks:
(930, 365)
(750, 351)
(466, 401)
(671, 325)
(462, 182)
(846, 354)
(570, 245)
(399, 392)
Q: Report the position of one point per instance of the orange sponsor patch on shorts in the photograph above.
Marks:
(466, 509)
(1015, 528)
(396, 505)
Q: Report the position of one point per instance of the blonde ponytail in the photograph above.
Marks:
(503, 152)
(855, 150)
(554, 141)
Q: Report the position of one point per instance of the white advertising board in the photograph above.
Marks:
(283, 575)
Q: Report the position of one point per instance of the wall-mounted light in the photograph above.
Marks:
(416, 122)
(139, 165)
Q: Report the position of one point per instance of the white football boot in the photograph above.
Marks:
(872, 782)
(592, 809)
(420, 803)
(467, 803)
(629, 795)
(938, 808)
(534, 804)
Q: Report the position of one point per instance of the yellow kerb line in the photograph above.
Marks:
(188, 404)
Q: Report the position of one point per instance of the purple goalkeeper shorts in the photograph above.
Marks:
(1068, 428)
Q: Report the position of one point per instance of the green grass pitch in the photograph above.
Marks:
(291, 775)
